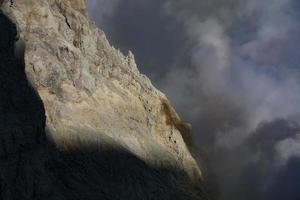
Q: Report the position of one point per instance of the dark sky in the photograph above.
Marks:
(231, 67)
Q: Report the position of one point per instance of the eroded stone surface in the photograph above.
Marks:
(92, 93)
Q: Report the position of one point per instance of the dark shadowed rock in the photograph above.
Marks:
(77, 119)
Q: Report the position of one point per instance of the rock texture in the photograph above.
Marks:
(110, 133)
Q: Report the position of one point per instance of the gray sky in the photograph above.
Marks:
(231, 67)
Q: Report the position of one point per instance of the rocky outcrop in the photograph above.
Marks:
(109, 132)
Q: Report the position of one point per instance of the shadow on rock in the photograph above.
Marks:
(32, 168)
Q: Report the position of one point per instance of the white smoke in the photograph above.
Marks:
(288, 148)
(244, 75)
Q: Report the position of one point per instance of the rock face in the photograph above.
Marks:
(108, 132)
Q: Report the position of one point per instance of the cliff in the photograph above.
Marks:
(78, 120)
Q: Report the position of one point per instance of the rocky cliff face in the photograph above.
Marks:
(108, 132)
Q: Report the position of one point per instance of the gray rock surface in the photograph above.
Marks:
(78, 120)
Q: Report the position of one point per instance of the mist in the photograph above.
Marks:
(231, 69)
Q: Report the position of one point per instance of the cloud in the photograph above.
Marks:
(244, 74)
(231, 68)
(289, 148)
